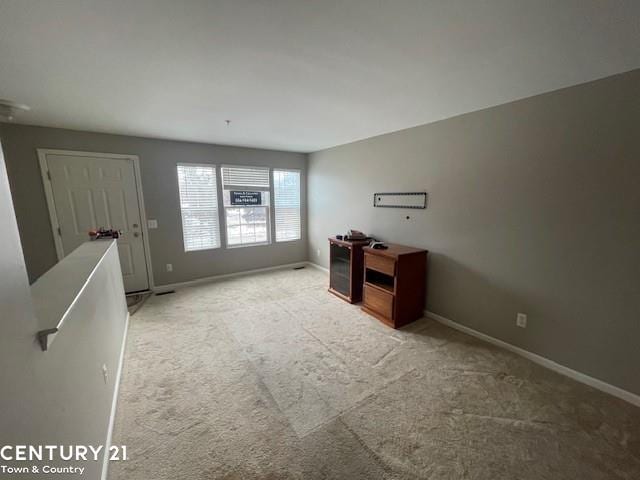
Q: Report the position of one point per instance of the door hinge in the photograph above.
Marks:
(59, 231)
(49, 175)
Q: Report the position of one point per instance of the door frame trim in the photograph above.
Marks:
(53, 217)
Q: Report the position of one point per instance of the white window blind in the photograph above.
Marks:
(286, 198)
(247, 223)
(199, 206)
(254, 177)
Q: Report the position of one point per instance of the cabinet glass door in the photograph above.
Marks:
(340, 269)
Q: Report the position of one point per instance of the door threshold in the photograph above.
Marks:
(137, 292)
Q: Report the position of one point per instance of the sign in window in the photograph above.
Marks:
(246, 205)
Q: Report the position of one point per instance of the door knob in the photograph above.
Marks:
(135, 225)
(136, 234)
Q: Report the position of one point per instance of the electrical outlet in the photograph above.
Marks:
(169, 267)
(105, 373)
(152, 223)
(521, 320)
(318, 252)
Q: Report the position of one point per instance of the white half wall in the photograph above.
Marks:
(57, 397)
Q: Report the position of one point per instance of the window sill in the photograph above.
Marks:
(201, 249)
(289, 240)
(245, 245)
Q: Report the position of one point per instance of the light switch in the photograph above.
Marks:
(152, 223)
(521, 320)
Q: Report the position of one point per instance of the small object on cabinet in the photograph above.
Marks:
(378, 245)
(355, 235)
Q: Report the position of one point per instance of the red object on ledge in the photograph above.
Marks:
(99, 233)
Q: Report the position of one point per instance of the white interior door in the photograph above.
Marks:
(90, 192)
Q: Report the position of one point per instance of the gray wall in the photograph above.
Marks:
(158, 160)
(534, 207)
(58, 397)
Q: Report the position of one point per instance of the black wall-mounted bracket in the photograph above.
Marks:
(414, 200)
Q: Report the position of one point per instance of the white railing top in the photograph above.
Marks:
(55, 292)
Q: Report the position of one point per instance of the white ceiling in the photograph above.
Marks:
(298, 75)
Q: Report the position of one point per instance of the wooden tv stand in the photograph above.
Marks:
(395, 284)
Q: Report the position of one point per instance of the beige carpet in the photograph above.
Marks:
(271, 377)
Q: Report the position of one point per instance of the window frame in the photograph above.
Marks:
(273, 187)
(268, 189)
(217, 203)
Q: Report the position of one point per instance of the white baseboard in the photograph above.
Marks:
(540, 360)
(215, 278)
(316, 266)
(114, 403)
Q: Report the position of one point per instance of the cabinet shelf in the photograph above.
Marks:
(379, 279)
(381, 286)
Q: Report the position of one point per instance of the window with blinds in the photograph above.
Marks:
(246, 205)
(286, 199)
(199, 206)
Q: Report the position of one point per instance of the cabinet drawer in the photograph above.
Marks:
(380, 264)
(378, 301)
